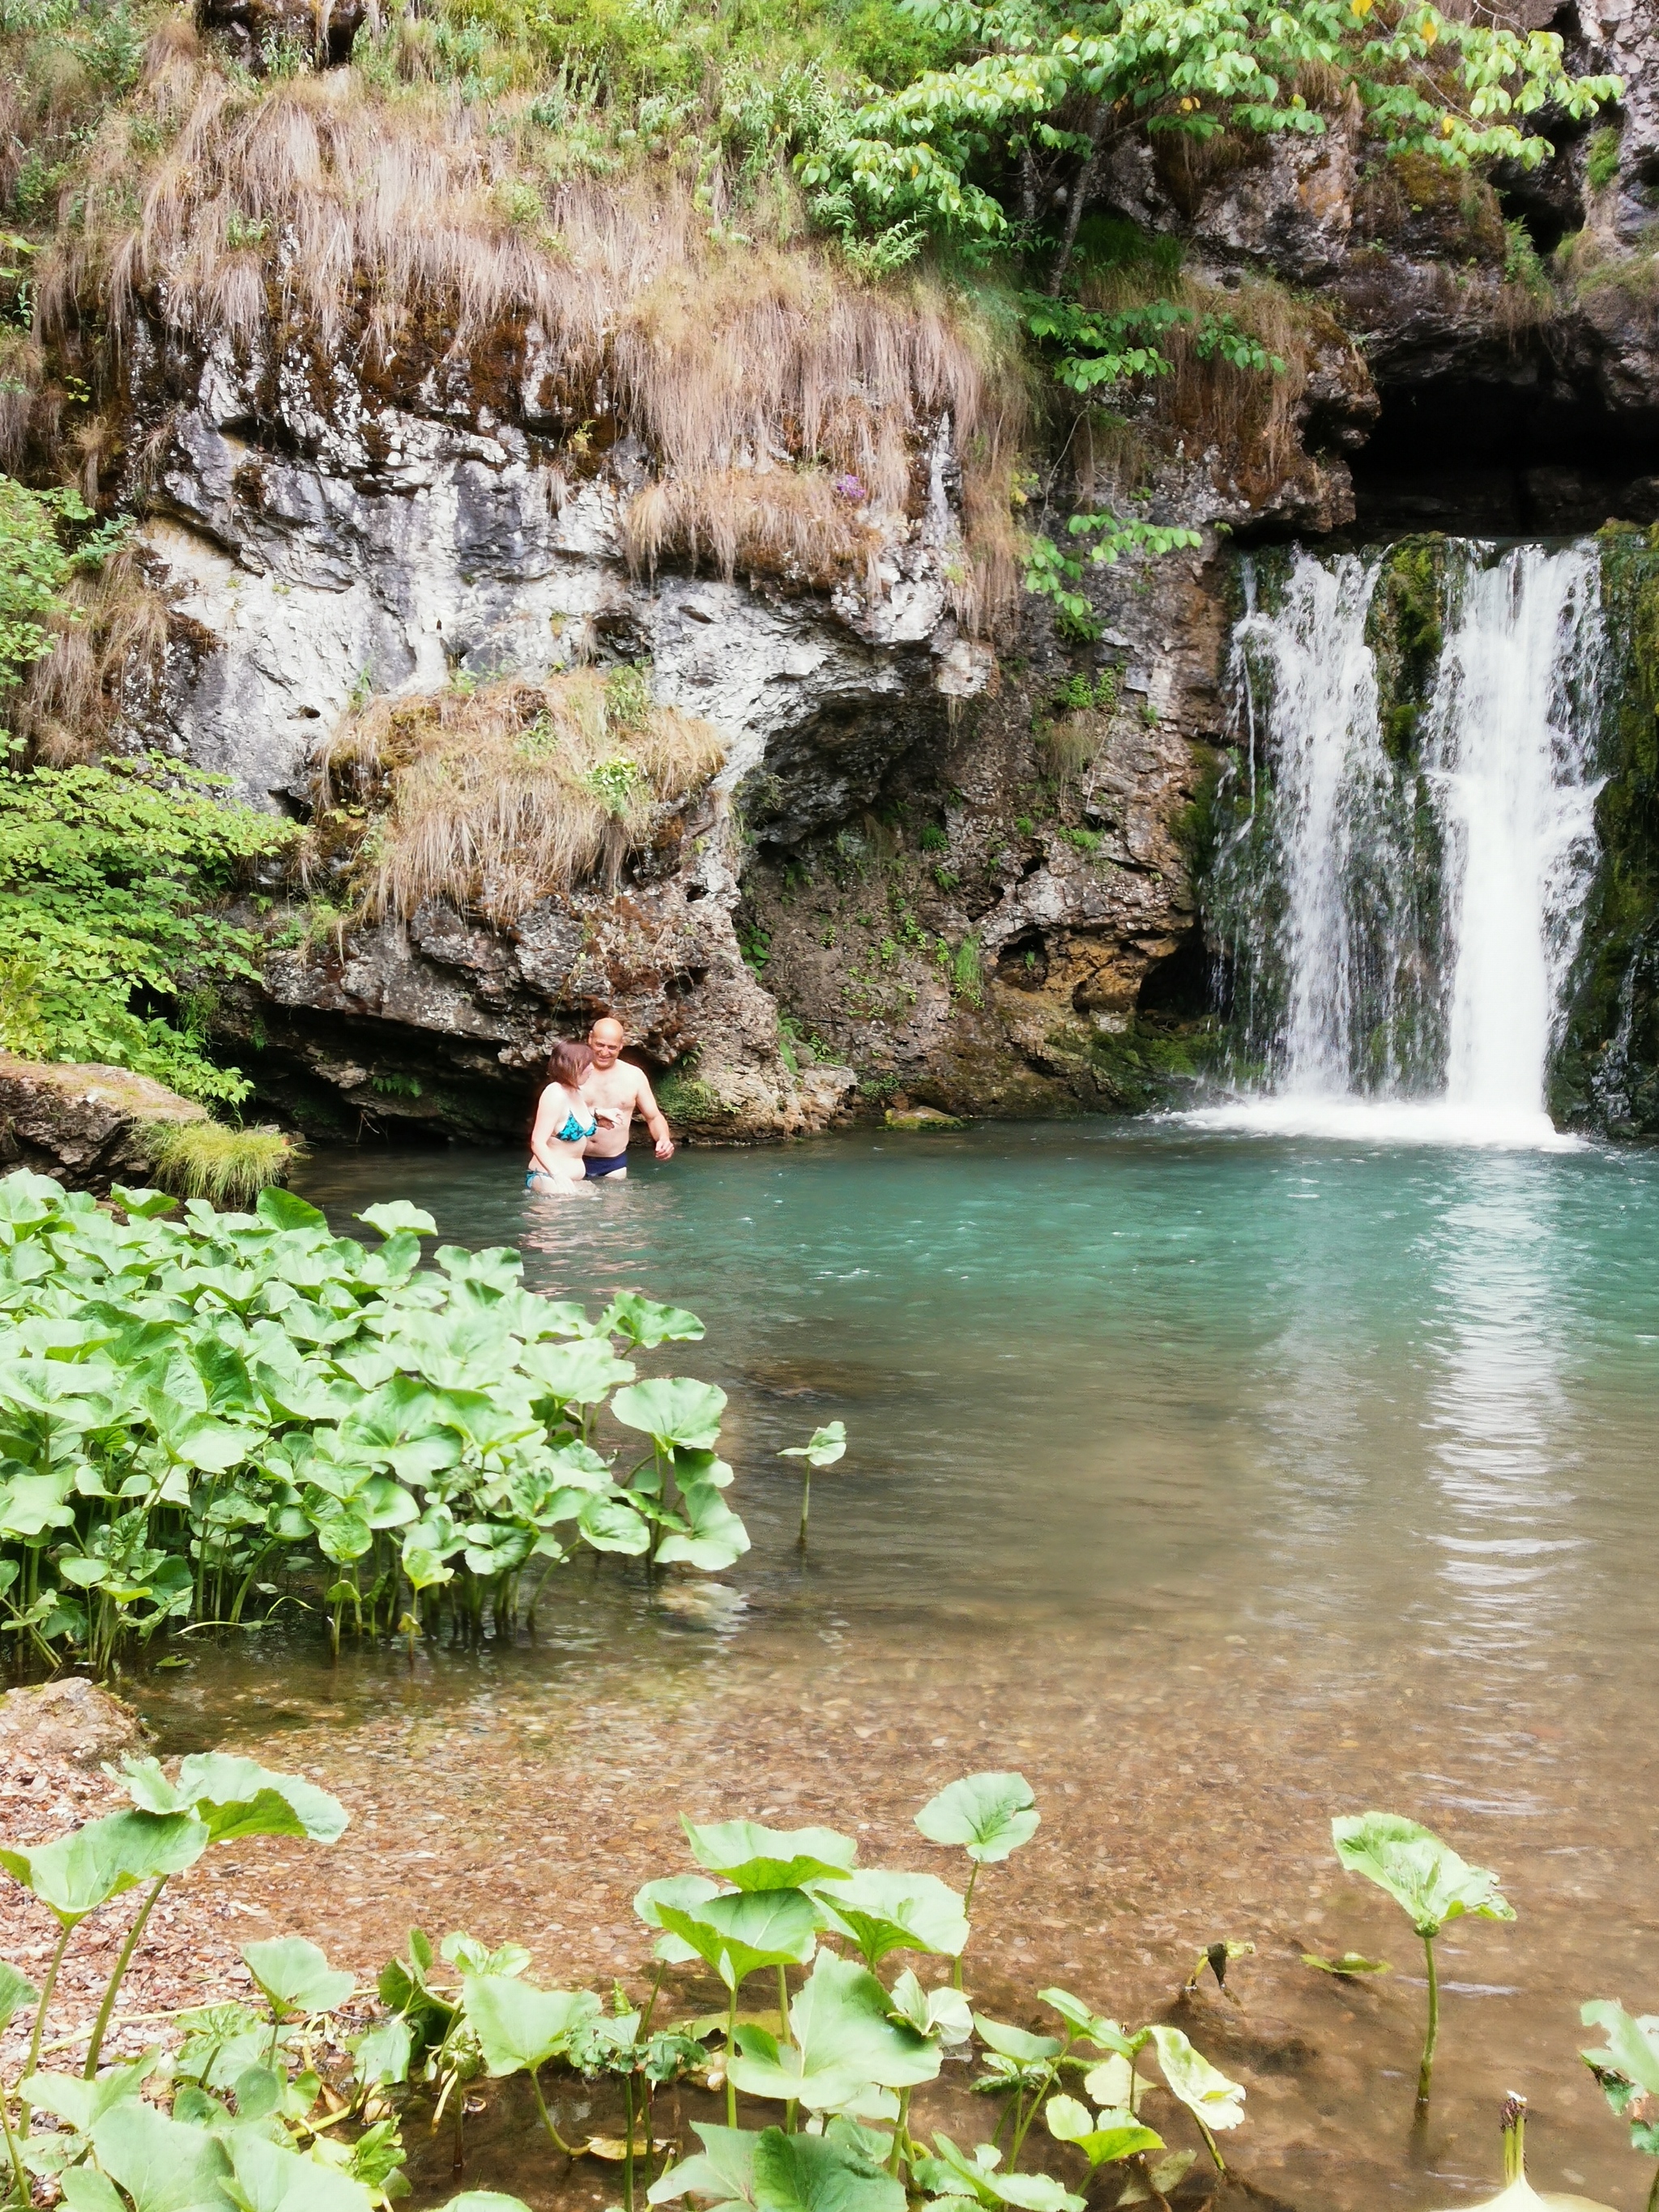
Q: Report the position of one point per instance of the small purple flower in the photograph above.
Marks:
(850, 489)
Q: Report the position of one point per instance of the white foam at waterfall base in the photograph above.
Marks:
(1506, 759)
(1349, 1120)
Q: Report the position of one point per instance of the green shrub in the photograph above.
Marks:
(112, 879)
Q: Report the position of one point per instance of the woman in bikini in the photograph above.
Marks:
(564, 1122)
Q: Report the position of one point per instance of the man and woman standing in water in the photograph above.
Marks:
(585, 1110)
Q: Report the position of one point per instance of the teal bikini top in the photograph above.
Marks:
(573, 1131)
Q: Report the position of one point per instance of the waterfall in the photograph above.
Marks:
(1408, 836)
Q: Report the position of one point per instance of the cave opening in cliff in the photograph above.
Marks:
(1503, 457)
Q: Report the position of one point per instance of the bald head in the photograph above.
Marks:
(606, 1039)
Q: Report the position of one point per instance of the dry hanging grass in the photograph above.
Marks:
(109, 637)
(494, 798)
(405, 229)
(1252, 416)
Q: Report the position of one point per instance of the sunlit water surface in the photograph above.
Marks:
(1220, 1482)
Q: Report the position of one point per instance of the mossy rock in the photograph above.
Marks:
(921, 1117)
(1406, 630)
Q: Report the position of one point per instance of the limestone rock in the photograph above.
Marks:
(80, 1122)
(71, 1720)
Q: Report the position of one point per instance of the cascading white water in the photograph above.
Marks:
(1513, 740)
(1406, 923)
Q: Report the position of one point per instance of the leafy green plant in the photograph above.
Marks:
(112, 876)
(1429, 1883)
(989, 1816)
(824, 1448)
(1053, 574)
(1628, 2069)
(110, 2141)
(203, 1419)
(1043, 94)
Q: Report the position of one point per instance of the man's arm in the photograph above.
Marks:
(652, 1114)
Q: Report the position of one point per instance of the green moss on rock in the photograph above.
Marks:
(1607, 1072)
(1406, 630)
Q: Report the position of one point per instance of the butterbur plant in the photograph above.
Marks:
(823, 1449)
(989, 1816)
(241, 2127)
(1627, 2068)
(205, 1419)
(1431, 1884)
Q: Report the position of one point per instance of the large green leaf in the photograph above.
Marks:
(751, 1856)
(86, 2190)
(1017, 2043)
(1103, 2141)
(1632, 2043)
(235, 1797)
(715, 1537)
(953, 2173)
(1425, 1878)
(80, 2104)
(484, 2200)
(684, 1892)
(295, 1976)
(164, 2166)
(846, 2042)
(989, 1815)
(395, 1216)
(519, 2028)
(673, 1411)
(270, 2178)
(74, 1874)
(17, 1991)
(722, 2173)
(808, 2174)
(882, 1911)
(280, 1209)
(583, 1372)
(644, 1323)
(823, 1448)
(941, 2012)
(737, 1935)
(1203, 2088)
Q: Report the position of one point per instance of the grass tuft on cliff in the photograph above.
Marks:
(205, 1159)
(492, 799)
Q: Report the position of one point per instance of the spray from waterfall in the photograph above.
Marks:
(1401, 897)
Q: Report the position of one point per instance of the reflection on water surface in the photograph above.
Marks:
(1220, 1483)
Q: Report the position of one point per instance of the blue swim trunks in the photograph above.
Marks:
(597, 1164)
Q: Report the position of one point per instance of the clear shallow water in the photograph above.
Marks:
(1220, 1482)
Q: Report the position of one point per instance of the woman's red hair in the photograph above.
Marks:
(567, 1063)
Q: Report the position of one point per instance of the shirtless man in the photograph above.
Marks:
(611, 1082)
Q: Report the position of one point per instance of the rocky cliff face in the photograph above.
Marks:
(926, 870)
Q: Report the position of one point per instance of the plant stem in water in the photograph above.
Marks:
(628, 2154)
(730, 2051)
(805, 1501)
(41, 2010)
(89, 2071)
(25, 2187)
(784, 2035)
(651, 2006)
(1653, 2193)
(1210, 2145)
(547, 2117)
(1426, 2071)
